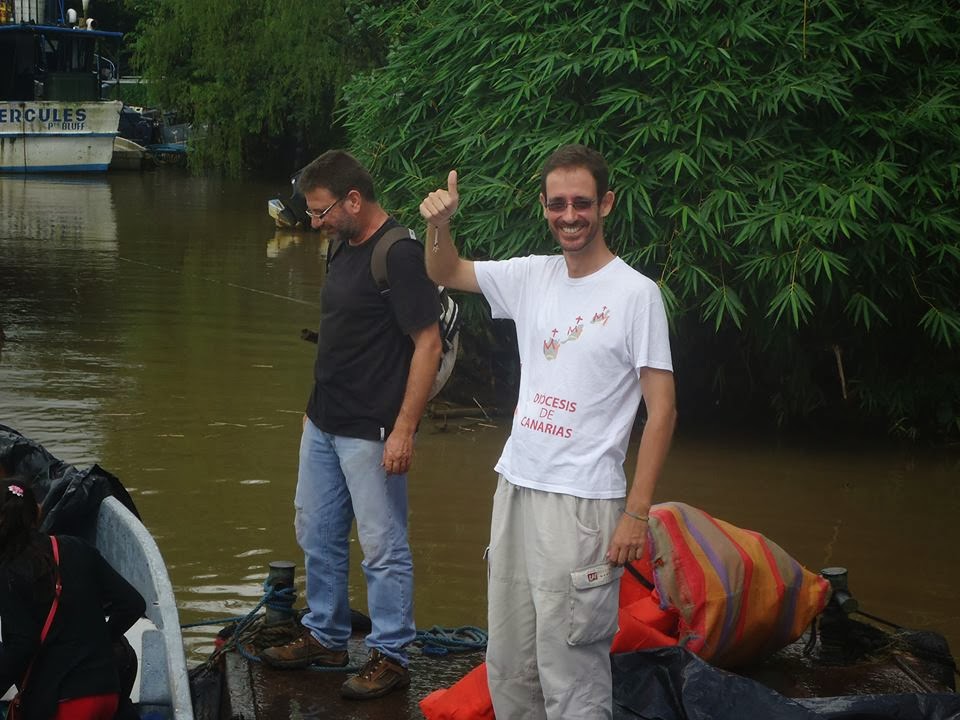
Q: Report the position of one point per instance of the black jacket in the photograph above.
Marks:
(76, 659)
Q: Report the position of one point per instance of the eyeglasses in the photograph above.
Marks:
(314, 215)
(579, 204)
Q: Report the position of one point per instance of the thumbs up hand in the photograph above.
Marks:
(439, 206)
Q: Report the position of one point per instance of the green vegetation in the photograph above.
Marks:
(788, 171)
(256, 78)
(134, 94)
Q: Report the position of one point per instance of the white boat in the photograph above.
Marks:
(163, 688)
(53, 117)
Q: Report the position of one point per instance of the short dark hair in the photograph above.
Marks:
(577, 156)
(339, 172)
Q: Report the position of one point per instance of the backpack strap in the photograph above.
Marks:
(57, 588)
(332, 247)
(378, 260)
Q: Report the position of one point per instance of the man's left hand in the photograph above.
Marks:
(628, 541)
(397, 453)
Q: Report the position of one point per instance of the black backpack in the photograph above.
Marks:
(449, 317)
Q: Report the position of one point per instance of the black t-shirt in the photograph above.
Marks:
(364, 348)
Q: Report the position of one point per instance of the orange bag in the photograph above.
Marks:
(642, 622)
(467, 699)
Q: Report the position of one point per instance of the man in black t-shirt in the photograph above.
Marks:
(377, 356)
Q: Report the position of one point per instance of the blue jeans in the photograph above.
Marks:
(341, 478)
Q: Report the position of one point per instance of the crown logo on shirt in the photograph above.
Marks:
(602, 316)
(550, 348)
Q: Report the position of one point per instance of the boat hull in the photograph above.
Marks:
(127, 545)
(57, 136)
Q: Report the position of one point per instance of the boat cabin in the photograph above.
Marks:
(53, 62)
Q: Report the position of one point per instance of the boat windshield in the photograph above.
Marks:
(39, 62)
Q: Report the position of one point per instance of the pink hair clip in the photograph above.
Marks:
(16, 490)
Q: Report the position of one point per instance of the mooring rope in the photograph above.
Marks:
(276, 599)
(439, 641)
(436, 642)
(216, 281)
(281, 600)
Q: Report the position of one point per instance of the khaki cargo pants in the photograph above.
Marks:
(552, 605)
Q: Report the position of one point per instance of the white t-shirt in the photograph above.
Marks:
(582, 342)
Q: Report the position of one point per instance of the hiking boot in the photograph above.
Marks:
(379, 676)
(303, 651)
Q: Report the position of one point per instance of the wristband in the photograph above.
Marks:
(644, 518)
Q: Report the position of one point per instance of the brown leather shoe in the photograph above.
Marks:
(378, 677)
(303, 651)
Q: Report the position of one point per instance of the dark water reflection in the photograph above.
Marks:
(153, 326)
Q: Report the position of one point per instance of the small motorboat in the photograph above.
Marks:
(290, 214)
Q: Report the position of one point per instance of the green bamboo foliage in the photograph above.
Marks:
(787, 170)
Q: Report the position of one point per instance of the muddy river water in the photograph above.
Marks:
(153, 326)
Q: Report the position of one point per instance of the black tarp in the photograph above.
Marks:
(674, 684)
(69, 497)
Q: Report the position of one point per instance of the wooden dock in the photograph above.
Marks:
(254, 691)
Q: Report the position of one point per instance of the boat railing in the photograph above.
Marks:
(163, 670)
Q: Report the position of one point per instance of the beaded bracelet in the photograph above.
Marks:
(644, 518)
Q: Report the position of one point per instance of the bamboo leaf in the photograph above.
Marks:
(794, 301)
(943, 326)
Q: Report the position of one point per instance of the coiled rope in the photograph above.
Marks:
(439, 641)
(250, 630)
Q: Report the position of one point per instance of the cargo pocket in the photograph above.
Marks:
(594, 603)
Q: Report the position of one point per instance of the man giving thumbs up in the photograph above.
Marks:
(593, 341)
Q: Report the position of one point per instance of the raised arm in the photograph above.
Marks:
(444, 264)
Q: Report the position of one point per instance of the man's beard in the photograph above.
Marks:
(347, 232)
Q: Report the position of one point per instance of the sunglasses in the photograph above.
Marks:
(579, 204)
